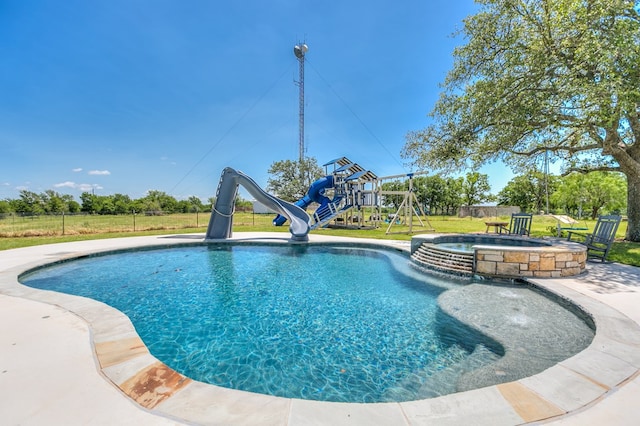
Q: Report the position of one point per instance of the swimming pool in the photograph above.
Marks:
(313, 322)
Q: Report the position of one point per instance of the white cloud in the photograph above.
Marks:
(6, 184)
(100, 172)
(168, 160)
(86, 187)
(83, 187)
(77, 169)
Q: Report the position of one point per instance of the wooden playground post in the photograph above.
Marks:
(407, 203)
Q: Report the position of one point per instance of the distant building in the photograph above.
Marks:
(487, 211)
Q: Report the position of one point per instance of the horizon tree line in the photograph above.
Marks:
(578, 195)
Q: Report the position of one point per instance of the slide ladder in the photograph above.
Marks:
(328, 212)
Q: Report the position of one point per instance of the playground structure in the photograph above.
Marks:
(347, 196)
(409, 207)
(351, 196)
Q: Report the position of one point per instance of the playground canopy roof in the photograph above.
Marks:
(353, 170)
(364, 175)
(347, 167)
(339, 161)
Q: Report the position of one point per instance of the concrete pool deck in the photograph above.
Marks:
(70, 360)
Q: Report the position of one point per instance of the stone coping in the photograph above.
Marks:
(608, 364)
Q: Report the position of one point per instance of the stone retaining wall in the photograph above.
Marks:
(498, 257)
(536, 262)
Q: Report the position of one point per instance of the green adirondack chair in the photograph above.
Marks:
(599, 241)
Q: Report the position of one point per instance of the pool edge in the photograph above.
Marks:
(508, 401)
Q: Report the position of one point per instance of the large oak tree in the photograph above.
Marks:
(290, 179)
(536, 76)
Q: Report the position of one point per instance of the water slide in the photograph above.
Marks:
(315, 193)
(221, 221)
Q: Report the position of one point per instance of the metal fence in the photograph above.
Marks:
(16, 224)
(26, 225)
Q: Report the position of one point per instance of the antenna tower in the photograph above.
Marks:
(300, 50)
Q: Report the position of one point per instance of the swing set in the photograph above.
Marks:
(408, 209)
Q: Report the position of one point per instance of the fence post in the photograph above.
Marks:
(63, 222)
(134, 221)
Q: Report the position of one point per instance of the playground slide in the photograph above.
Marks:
(221, 220)
(315, 193)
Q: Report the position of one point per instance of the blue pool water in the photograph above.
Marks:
(457, 247)
(312, 322)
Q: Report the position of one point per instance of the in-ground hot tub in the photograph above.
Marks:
(499, 255)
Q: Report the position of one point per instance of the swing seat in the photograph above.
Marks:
(567, 223)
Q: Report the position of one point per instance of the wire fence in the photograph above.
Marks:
(30, 225)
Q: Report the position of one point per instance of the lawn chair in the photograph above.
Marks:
(599, 241)
(567, 223)
(520, 224)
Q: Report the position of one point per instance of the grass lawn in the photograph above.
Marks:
(37, 231)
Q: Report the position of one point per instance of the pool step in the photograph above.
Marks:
(430, 256)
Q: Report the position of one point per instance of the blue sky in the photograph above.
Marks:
(126, 96)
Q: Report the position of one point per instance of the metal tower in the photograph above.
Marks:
(300, 50)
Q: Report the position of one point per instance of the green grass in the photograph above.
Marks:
(7, 243)
(51, 225)
(625, 252)
(26, 232)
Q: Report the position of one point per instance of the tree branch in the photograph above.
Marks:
(585, 170)
(556, 149)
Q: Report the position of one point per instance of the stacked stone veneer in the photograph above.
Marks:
(501, 258)
(533, 262)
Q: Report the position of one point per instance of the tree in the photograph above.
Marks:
(54, 202)
(394, 200)
(605, 191)
(89, 202)
(475, 189)
(242, 204)
(593, 192)
(100, 204)
(196, 203)
(430, 192)
(5, 207)
(452, 195)
(157, 202)
(212, 202)
(290, 180)
(529, 191)
(29, 202)
(122, 203)
(191, 205)
(538, 76)
(438, 194)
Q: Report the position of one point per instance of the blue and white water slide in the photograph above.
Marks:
(315, 193)
(221, 222)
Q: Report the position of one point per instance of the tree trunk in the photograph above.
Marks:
(633, 208)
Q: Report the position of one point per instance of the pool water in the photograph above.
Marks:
(457, 247)
(311, 322)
